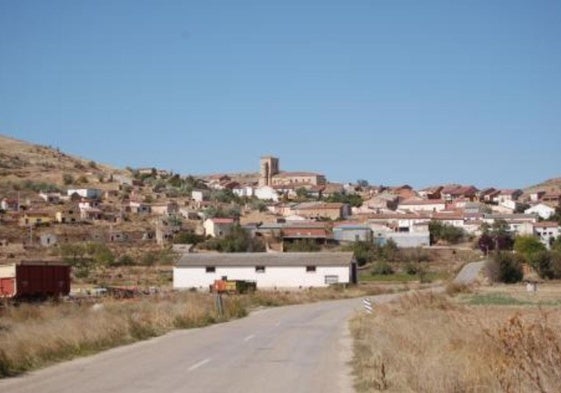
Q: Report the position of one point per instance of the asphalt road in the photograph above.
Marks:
(304, 348)
(469, 273)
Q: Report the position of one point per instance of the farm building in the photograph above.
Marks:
(268, 270)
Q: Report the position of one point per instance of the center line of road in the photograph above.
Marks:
(249, 337)
(200, 364)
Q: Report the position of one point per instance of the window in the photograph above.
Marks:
(331, 279)
(210, 269)
(310, 269)
(259, 269)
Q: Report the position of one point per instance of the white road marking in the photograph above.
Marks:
(249, 337)
(200, 364)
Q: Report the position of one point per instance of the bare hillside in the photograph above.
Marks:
(22, 162)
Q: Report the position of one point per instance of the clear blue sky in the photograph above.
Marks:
(418, 92)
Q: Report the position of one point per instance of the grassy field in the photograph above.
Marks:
(36, 335)
(481, 342)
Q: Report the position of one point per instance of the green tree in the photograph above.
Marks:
(504, 267)
(528, 245)
(302, 194)
(445, 232)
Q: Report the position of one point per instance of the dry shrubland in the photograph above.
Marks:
(426, 343)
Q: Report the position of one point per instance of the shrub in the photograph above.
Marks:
(67, 179)
(504, 267)
(528, 245)
(304, 245)
(382, 267)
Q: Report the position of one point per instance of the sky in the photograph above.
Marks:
(390, 91)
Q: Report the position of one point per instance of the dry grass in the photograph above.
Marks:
(32, 336)
(35, 335)
(426, 343)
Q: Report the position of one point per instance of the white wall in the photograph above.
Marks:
(273, 277)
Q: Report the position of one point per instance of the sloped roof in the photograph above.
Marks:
(266, 259)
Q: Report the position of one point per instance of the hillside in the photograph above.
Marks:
(549, 186)
(26, 166)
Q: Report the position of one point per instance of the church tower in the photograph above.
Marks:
(269, 167)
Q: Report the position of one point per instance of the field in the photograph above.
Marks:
(500, 339)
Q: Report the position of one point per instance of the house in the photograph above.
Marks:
(200, 195)
(165, 209)
(542, 210)
(267, 270)
(536, 196)
(90, 193)
(487, 195)
(384, 200)
(266, 193)
(422, 205)
(508, 195)
(138, 207)
(520, 224)
(318, 210)
(547, 231)
(218, 227)
(352, 232)
(50, 197)
(244, 190)
(68, 215)
(450, 193)
(93, 214)
(7, 204)
(315, 231)
(431, 192)
(35, 218)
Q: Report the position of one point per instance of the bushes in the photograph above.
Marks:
(382, 267)
(448, 233)
(504, 267)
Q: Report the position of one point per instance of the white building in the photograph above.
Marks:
(422, 205)
(547, 231)
(91, 193)
(266, 193)
(268, 270)
(218, 227)
(542, 210)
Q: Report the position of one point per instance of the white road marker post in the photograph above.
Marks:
(367, 305)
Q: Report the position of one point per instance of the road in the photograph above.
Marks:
(304, 348)
(469, 273)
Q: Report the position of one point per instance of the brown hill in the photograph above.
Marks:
(550, 186)
(26, 166)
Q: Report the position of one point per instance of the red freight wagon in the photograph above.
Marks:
(37, 279)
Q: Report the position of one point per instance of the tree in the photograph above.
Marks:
(302, 194)
(495, 237)
(448, 233)
(528, 245)
(504, 267)
(362, 183)
(354, 200)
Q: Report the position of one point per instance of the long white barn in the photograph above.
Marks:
(268, 270)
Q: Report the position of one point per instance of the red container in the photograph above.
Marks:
(42, 279)
(7, 286)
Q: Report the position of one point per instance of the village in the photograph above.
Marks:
(151, 217)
